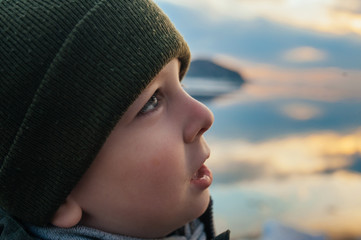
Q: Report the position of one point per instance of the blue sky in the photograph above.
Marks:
(263, 37)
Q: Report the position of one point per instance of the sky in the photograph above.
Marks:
(330, 16)
(286, 146)
(301, 33)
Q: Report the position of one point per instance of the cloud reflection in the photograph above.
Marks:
(312, 203)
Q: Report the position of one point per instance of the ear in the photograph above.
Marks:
(68, 214)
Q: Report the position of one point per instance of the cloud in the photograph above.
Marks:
(352, 6)
(304, 54)
(237, 171)
(235, 161)
(258, 39)
(337, 16)
(310, 176)
(300, 111)
(268, 81)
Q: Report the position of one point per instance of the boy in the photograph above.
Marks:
(98, 138)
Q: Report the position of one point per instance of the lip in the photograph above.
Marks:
(203, 177)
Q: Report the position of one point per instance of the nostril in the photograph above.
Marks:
(203, 130)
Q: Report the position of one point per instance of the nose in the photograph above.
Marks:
(198, 119)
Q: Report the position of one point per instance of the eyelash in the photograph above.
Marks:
(152, 103)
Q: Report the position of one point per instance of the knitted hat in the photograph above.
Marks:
(69, 69)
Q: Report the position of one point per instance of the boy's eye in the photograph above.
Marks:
(150, 105)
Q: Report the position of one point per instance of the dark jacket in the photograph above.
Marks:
(207, 219)
(10, 229)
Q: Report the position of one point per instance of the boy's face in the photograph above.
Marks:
(149, 179)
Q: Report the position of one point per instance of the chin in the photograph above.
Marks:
(202, 203)
(193, 211)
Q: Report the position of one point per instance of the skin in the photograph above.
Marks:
(140, 183)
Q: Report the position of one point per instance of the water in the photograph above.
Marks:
(288, 150)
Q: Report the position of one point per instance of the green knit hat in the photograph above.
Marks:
(69, 69)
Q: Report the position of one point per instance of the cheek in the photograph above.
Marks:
(166, 164)
(153, 163)
(163, 168)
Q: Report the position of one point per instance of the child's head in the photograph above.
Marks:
(95, 126)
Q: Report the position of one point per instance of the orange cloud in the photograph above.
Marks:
(305, 154)
(266, 81)
(337, 17)
(304, 54)
(300, 111)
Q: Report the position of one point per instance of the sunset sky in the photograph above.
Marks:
(330, 16)
(298, 33)
(286, 145)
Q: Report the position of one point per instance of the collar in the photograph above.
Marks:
(191, 231)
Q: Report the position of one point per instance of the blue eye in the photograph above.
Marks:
(150, 105)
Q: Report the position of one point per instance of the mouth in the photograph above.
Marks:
(202, 178)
